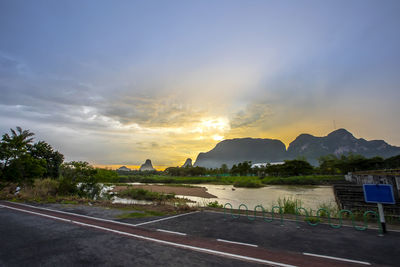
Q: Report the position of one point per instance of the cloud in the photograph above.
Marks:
(149, 111)
(254, 115)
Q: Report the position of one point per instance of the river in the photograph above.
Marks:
(311, 197)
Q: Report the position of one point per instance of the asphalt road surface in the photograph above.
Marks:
(28, 238)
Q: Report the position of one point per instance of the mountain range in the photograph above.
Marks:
(256, 150)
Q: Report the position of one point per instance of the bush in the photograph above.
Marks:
(249, 183)
(289, 205)
(214, 204)
(303, 180)
(142, 194)
(41, 189)
(67, 187)
(89, 190)
(106, 176)
(7, 191)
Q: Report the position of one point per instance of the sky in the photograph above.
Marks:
(118, 82)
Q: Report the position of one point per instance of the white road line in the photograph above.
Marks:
(199, 249)
(40, 214)
(336, 258)
(167, 218)
(291, 220)
(104, 220)
(170, 232)
(74, 214)
(239, 243)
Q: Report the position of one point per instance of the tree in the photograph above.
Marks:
(43, 150)
(297, 167)
(16, 163)
(328, 164)
(77, 171)
(234, 170)
(392, 163)
(25, 168)
(15, 145)
(224, 169)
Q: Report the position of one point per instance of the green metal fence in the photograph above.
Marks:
(321, 214)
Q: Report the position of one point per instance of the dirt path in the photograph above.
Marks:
(168, 189)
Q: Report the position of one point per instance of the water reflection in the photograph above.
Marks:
(310, 196)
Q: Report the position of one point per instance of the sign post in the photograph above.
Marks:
(380, 194)
(382, 217)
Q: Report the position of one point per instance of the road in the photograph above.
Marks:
(197, 239)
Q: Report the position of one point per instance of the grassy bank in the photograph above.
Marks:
(142, 194)
(237, 181)
(303, 180)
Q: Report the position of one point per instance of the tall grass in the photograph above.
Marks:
(142, 194)
(289, 205)
(42, 188)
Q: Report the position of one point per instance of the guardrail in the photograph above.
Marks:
(321, 214)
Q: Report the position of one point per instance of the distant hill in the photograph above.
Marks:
(338, 142)
(311, 147)
(233, 151)
(147, 166)
(188, 163)
(124, 169)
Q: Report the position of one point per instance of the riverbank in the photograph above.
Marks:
(237, 181)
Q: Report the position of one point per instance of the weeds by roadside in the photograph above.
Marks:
(289, 205)
(214, 204)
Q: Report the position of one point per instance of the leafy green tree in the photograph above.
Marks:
(392, 162)
(80, 173)
(54, 159)
(224, 169)
(297, 167)
(244, 168)
(328, 165)
(21, 160)
(14, 145)
(24, 169)
(16, 163)
(77, 171)
(235, 170)
(107, 176)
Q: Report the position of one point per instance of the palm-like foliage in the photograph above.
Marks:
(15, 145)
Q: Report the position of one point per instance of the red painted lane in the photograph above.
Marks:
(283, 257)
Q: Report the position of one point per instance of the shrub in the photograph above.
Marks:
(328, 208)
(41, 189)
(289, 205)
(7, 191)
(142, 194)
(312, 220)
(214, 204)
(249, 183)
(106, 176)
(67, 187)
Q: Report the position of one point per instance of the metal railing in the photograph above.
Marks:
(321, 214)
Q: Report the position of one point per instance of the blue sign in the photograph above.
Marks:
(378, 193)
